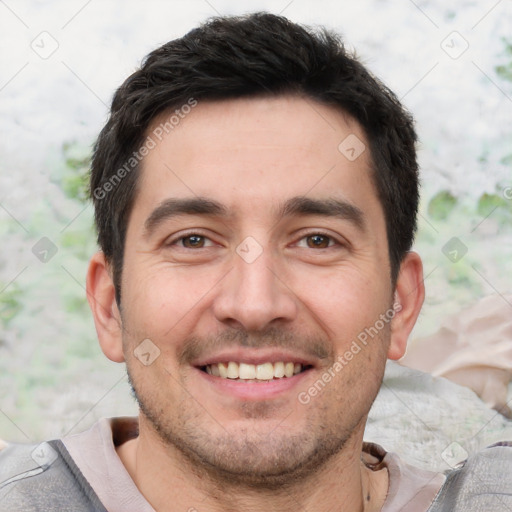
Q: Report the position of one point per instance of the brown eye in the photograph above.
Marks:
(318, 241)
(193, 241)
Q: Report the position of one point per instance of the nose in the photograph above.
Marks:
(255, 295)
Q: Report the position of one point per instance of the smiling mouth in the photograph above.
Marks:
(254, 372)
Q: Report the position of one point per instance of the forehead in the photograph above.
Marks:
(249, 153)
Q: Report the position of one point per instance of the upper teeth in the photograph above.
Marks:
(265, 371)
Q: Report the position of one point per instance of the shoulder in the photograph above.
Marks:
(482, 482)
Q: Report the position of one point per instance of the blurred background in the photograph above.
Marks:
(449, 63)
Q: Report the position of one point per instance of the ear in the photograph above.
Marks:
(102, 301)
(409, 296)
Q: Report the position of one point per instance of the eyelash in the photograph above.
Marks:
(322, 234)
(190, 234)
(199, 234)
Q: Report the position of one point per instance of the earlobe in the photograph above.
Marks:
(409, 296)
(101, 297)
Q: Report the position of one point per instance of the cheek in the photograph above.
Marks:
(160, 301)
(344, 301)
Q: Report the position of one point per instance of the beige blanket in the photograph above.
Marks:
(472, 348)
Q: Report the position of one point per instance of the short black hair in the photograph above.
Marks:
(259, 54)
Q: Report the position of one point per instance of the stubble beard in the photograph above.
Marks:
(243, 456)
(255, 460)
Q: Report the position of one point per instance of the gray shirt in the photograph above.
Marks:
(410, 489)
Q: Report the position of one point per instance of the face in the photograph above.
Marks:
(256, 248)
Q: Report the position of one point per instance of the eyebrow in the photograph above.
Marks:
(296, 206)
(325, 207)
(171, 208)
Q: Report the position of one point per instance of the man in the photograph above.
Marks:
(255, 191)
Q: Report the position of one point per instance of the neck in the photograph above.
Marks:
(171, 482)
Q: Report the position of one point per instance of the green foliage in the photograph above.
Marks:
(77, 305)
(463, 276)
(505, 70)
(484, 225)
(441, 205)
(489, 202)
(10, 303)
(77, 162)
(497, 206)
(54, 290)
(494, 205)
(79, 242)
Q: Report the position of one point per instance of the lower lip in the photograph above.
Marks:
(254, 390)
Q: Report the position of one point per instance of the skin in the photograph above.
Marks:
(266, 452)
